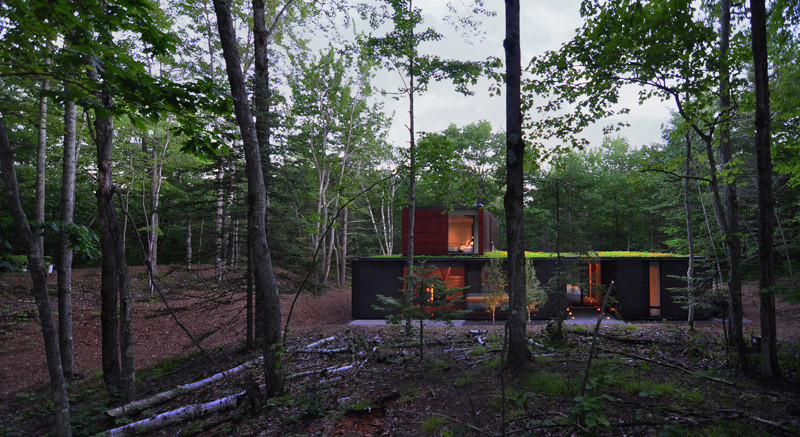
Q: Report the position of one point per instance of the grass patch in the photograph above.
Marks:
(548, 384)
(168, 365)
(438, 365)
(464, 380)
(477, 350)
(432, 425)
(492, 363)
(646, 387)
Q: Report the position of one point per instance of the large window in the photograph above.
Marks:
(655, 289)
(452, 277)
(462, 232)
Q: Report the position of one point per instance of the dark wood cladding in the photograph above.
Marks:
(631, 276)
(487, 229)
(431, 229)
(371, 278)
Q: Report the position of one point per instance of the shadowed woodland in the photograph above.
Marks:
(241, 155)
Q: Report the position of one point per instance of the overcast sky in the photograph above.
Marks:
(545, 25)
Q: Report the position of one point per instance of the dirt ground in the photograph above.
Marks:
(213, 312)
(649, 377)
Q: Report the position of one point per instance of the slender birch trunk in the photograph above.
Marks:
(41, 158)
(412, 178)
(64, 255)
(219, 230)
(691, 298)
(189, 243)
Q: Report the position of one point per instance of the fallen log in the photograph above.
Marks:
(321, 372)
(196, 410)
(179, 415)
(317, 343)
(178, 391)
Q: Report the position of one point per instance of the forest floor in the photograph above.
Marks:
(646, 377)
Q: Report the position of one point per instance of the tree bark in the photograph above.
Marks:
(108, 283)
(518, 352)
(691, 298)
(219, 250)
(769, 343)
(64, 255)
(412, 178)
(731, 214)
(189, 243)
(256, 196)
(261, 113)
(115, 282)
(345, 231)
(157, 163)
(41, 159)
(38, 274)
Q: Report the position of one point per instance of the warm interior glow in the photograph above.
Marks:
(451, 276)
(655, 289)
(460, 233)
(594, 283)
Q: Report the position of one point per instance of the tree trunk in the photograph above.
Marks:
(261, 105)
(219, 249)
(41, 159)
(38, 274)
(518, 352)
(200, 239)
(345, 223)
(155, 195)
(64, 255)
(227, 227)
(691, 298)
(108, 282)
(710, 235)
(769, 343)
(256, 196)
(189, 243)
(412, 178)
(731, 215)
(250, 321)
(115, 283)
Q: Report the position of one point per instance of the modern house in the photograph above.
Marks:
(460, 242)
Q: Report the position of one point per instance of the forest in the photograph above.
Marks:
(210, 142)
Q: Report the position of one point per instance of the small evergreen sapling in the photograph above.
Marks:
(430, 299)
(495, 281)
(536, 295)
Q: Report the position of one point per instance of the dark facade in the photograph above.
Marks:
(643, 287)
(454, 242)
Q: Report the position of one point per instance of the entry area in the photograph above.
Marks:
(589, 293)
